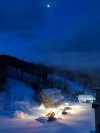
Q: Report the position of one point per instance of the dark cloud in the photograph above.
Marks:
(83, 37)
(78, 48)
(22, 16)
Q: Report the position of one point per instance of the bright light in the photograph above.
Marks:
(20, 115)
(66, 104)
(75, 109)
(42, 107)
(48, 6)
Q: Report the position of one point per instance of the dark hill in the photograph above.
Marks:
(33, 75)
(39, 76)
(6, 60)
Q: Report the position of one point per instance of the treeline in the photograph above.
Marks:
(36, 76)
(41, 76)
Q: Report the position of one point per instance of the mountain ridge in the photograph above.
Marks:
(40, 76)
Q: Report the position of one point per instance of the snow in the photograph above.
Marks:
(25, 116)
(54, 99)
(54, 95)
(86, 97)
(52, 91)
(79, 120)
(18, 91)
(74, 87)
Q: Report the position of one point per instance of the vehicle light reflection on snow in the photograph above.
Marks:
(76, 111)
(41, 111)
(41, 107)
(58, 110)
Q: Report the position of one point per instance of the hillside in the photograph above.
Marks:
(18, 92)
(20, 81)
(39, 76)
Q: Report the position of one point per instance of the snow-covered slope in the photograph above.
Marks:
(18, 93)
(74, 87)
(62, 82)
(18, 104)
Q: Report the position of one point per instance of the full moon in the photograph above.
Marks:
(48, 6)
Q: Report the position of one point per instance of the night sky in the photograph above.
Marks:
(65, 33)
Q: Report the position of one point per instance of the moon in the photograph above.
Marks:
(48, 6)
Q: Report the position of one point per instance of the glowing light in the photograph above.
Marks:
(20, 115)
(42, 106)
(48, 6)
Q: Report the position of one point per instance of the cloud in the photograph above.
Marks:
(82, 36)
(85, 37)
(22, 16)
(78, 48)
